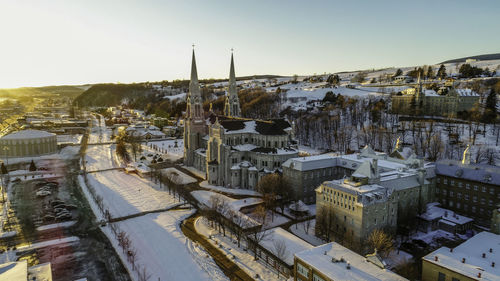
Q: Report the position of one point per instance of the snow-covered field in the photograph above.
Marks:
(163, 249)
(101, 157)
(125, 194)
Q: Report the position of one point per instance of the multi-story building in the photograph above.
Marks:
(232, 151)
(448, 101)
(475, 259)
(306, 173)
(332, 262)
(469, 189)
(369, 199)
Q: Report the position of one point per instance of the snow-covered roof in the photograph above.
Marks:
(466, 93)
(27, 134)
(474, 172)
(339, 263)
(14, 270)
(434, 212)
(292, 244)
(472, 251)
(20, 271)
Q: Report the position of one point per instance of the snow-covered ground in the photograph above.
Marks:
(234, 191)
(56, 225)
(177, 176)
(243, 258)
(66, 240)
(101, 157)
(163, 249)
(126, 194)
(69, 139)
(300, 229)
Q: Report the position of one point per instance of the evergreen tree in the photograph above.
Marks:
(32, 166)
(490, 111)
(441, 74)
(430, 73)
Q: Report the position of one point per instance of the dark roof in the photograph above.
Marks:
(473, 172)
(272, 127)
(265, 150)
(232, 124)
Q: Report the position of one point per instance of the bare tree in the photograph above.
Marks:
(280, 249)
(381, 241)
(142, 273)
(255, 237)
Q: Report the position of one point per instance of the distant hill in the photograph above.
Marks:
(480, 57)
(114, 94)
(68, 91)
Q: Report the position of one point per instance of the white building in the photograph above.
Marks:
(28, 143)
(476, 259)
(332, 261)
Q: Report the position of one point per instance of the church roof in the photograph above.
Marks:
(271, 127)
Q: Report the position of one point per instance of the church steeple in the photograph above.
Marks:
(232, 102)
(194, 86)
(194, 109)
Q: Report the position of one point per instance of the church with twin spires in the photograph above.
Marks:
(232, 151)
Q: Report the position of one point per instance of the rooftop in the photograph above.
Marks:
(340, 263)
(467, 258)
(27, 134)
(474, 172)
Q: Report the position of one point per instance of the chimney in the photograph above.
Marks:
(435, 258)
(479, 275)
(484, 255)
(451, 250)
(348, 265)
(491, 250)
(463, 260)
(492, 264)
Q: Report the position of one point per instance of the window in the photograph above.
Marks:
(452, 183)
(302, 270)
(483, 188)
(445, 181)
(490, 202)
(483, 201)
(475, 188)
(317, 278)
(452, 193)
(437, 190)
(466, 196)
(441, 276)
(459, 195)
(460, 184)
(438, 180)
(467, 186)
(473, 209)
(474, 198)
(492, 190)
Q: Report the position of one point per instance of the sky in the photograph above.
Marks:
(78, 42)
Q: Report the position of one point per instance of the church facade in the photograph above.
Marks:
(232, 151)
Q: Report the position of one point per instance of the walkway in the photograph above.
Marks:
(226, 265)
